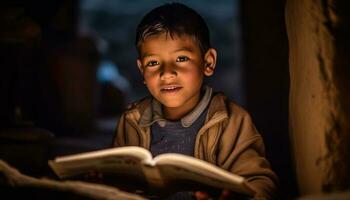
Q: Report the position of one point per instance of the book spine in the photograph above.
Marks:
(153, 175)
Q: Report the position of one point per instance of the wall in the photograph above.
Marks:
(319, 93)
(267, 82)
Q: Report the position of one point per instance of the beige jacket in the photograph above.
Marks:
(228, 139)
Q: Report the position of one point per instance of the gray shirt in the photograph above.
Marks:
(178, 136)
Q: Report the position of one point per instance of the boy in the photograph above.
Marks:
(183, 115)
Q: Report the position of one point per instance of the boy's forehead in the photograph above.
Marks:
(170, 42)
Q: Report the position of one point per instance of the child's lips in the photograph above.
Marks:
(170, 89)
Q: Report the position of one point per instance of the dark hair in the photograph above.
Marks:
(174, 18)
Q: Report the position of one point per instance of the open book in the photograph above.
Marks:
(166, 171)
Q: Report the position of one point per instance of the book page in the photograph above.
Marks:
(182, 168)
(119, 160)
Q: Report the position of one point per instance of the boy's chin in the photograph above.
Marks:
(175, 102)
(171, 104)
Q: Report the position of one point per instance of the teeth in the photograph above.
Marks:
(170, 88)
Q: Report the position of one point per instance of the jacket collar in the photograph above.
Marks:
(141, 111)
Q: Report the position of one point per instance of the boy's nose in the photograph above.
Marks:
(167, 72)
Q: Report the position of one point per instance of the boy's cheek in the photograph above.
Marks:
(150, 76)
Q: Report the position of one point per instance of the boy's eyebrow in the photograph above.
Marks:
(183, 49)
(148, 55)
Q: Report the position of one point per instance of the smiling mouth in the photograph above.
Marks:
(169, 89)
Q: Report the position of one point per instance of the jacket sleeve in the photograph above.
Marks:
(245, 154)
(119, 132)
(125, 133)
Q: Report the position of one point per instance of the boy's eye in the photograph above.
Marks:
(152, 63)
(182, 59)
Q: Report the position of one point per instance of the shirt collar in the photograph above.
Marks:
(154, 112)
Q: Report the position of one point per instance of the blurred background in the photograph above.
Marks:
(68, 69)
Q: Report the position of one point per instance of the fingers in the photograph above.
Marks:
(226, 194)
(199, 195)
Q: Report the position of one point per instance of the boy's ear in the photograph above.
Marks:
(210, 62)
(139, 65)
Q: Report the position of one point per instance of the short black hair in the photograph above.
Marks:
(174, 18)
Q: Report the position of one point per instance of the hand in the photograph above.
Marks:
(225, 194)
(200, 195)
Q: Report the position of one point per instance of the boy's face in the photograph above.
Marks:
(173, 69)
